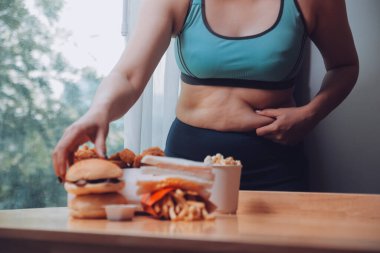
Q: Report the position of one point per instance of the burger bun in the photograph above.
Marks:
(93, 169)
(92, 206)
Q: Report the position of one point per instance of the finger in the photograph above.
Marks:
(267, 130)
(73, 136)
(59, 162)
(100, 143)
(74, 147)
(55, 163)
(273, 113)
(70, 158)
(64, 150)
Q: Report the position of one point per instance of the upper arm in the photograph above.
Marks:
(148, 42)
(331, 33)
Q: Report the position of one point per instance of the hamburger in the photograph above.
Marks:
(91, 206)
(176, 189)
(93, 176)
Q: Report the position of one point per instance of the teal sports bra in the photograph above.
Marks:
(268, 60)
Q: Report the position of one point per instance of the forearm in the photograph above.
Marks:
(115, 96)
(123, 86)
(337, 84)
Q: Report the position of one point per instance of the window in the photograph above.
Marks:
(53, 54)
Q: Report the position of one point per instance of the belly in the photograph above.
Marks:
(228, 108)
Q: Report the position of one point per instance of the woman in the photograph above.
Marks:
(238, 61)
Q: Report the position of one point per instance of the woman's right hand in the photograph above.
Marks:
(124, 85)
(90, 127)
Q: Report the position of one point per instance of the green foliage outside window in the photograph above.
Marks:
(33, 114)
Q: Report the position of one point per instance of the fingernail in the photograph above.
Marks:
(258, 111)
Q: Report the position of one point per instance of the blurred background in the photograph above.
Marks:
(53, 54)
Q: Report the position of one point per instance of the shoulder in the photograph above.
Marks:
(170, 9)
(180, 9)
(331, 32)
(316, 10)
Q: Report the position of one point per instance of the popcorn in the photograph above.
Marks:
(219, 159)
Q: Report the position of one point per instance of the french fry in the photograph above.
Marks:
(178, 208)
(191, 208)
(189, 217)
(165, 211)
(197, 213)
(207, 216)
(179, 193)
(183, 213)
(169, 201)
(172, 214)
(179, 199)
(195, 203)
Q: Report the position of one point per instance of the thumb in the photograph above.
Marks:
(100, 143)
(273, 113)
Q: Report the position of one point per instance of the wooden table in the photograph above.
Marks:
(266, 222)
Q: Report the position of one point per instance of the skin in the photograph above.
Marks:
(272, 113)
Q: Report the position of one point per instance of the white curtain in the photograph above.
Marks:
(147, 123)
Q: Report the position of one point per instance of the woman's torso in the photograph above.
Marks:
(229, 41)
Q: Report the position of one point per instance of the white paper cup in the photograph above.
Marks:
(225, 191)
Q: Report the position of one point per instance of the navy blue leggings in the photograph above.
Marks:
(266, 165)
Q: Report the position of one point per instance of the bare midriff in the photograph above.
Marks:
(229, 108)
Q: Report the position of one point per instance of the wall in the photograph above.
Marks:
(344, 149)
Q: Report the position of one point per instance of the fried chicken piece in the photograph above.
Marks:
(137, 161)
(85, 153)
(114, 157)
(119, 163)
(156, 151)
(123, 159)
(127, 156)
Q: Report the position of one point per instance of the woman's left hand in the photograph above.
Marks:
(289, 127)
